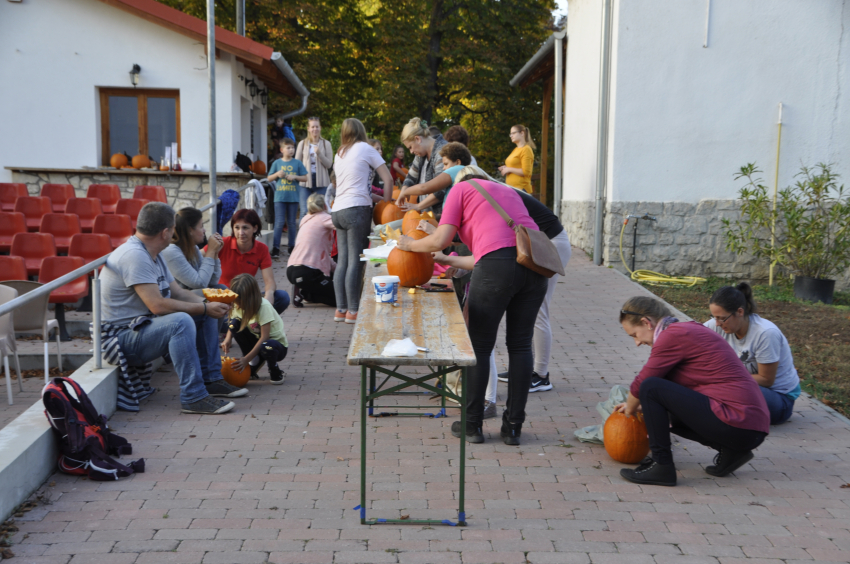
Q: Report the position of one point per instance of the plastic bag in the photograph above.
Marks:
(593, 433)
(403, 347)
(380, 252)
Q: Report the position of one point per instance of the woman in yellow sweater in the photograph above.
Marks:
(518, 165)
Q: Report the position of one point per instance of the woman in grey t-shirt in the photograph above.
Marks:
(191, 268)
(760, 345)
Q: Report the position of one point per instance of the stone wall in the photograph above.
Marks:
(686, 240)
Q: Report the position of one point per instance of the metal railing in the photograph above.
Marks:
(11, 306)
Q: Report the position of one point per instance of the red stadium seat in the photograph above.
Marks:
(72, 292)
(12, 268)
(89, 247)
(108, 194)
(117, 226)
(33, 208)
(86, 209)
(150, 193)
(9, 192)
(10, 224)
(131, 207)
(63, 226)
(33, 247)
(59, 195)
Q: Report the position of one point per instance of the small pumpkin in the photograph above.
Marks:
(141, 161)
(396, 193)
(625, 438)
(391, 212)
(225, 296)
(376, 213)
(259, 167)
(412, 269)
(231, 376)
(412, 219)
(119, 160)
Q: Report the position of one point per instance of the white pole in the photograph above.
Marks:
(211, 67)
(602, 133)
(559, 119)
(775, 193)
(707, 20)
(96, 344)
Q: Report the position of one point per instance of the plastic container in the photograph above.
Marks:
(386, 289)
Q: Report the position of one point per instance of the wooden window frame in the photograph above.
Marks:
(142, 95)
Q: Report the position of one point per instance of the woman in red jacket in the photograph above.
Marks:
(693, 385)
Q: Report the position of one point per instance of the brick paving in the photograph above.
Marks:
(277, 480)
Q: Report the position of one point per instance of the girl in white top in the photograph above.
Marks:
(352, 212)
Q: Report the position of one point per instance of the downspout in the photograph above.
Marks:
(240, 17)
(559, 117)
(293, 79)
(602, 133)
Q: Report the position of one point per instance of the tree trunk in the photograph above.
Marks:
(432, 89)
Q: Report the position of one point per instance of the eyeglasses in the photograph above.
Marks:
(720, 321)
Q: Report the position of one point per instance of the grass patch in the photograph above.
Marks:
(819, 334)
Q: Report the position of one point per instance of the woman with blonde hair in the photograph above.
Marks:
(519, 164)
(310, 264)
(352, 212)
(317, 155)
(427, 163)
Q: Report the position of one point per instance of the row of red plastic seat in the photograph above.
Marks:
(51, 268)
(33, 248)
(59, 194)
(33, 210)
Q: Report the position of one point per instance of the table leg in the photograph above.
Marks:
(443, 395)
(371, 390)
(461, 514)
(363, 443)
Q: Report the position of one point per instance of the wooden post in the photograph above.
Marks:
(544, 138)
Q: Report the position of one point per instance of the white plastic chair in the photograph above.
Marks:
(7, 340)
(32, 318)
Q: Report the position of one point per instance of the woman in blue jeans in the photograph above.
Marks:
(760, 345)
(317, 155)
(352, 212)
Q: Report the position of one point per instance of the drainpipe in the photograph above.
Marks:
(211, 65)
(240, 17)
(559, 117)
(602, 132)
(293, 79)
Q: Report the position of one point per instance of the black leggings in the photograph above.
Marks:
(669, 407)
(272, 351)
(501, 286)
(314, 285)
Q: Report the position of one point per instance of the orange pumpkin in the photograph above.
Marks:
(231, 376)
(417, 234)
(259, 167)
(118, 160)
(223, 296)
(376, 213)
(625, 438)
(391, 212)
(412, 219)
(396, 193)
(141, 161)
(412, 269)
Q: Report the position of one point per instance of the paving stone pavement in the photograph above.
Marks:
(277, 480)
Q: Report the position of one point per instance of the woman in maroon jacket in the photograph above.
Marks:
(694, 386)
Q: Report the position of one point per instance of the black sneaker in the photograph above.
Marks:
(256, 369)
(490, 410)
(474, 434)
(539, 383)
(297, 298)
(651, 473)
(503, 376)
(275, 253)
(727, 461)
(276, 374)
(511, 432)
(222, 389)
(208, 406)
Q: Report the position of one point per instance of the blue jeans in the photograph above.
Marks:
(352, 236)
(304, 192)
(192, 343)
(779, 405)
(285, 212)
(281, 301)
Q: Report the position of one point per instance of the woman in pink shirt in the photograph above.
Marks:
(499, 286)
(310, 264)
(693, 385)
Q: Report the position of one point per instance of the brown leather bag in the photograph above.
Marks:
(534, 250)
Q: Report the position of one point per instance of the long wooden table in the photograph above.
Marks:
(432, 320)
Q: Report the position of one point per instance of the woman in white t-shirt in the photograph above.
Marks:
(352, 212)
(760, 345)
(316, 154)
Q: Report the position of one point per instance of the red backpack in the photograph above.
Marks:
(85, 442)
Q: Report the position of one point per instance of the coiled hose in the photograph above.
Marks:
(655, 278)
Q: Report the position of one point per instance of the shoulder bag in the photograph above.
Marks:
(534, 250)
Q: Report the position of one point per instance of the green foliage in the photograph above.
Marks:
(808, 232)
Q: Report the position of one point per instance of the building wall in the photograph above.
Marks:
(55, 54)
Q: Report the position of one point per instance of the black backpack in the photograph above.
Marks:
(85, 442)
(243, 162)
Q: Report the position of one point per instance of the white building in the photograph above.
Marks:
(695, 88)
(68, 100)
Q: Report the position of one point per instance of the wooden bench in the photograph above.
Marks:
(432, 320)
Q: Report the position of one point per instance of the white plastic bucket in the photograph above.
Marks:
(386, 288)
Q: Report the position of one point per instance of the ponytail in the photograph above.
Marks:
(527, 136)
(731, 298)
(638, 307)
